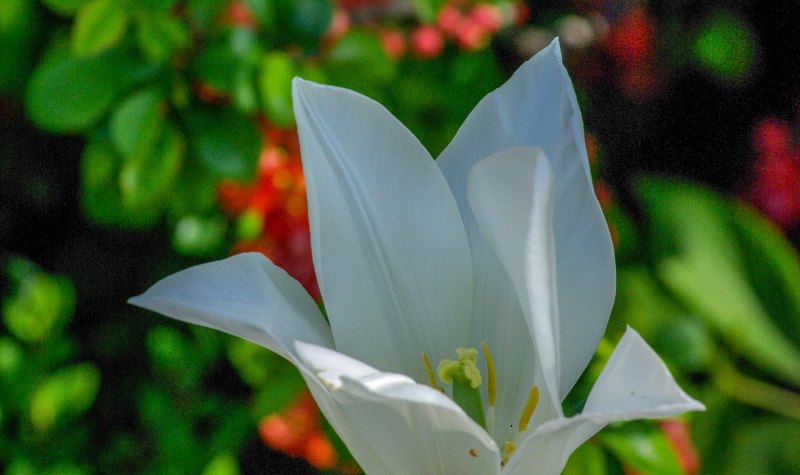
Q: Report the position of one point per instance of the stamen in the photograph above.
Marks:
(429, 370)
(530, 407)
(491, 390)
(508, 450)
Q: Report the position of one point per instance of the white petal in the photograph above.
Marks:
(635, 384)
(537, 107)
(409, 427)
(388, 243)
(245, 295)
(511, 196)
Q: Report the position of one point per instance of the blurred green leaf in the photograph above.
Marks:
(64, 394)
(68, 94)
(264, 11)
(206, 12)
(226, 142)
(772, 265)
(764, 446)
(10, 356)
(278, 396)
(216, 66)
(726, 46)
(40, 303)
(64, 7)
(253, 362)
(305, 21)
(427, 9)
(642, 447)
(643, 304)
(100, 186)
(147, 178)
(136, 123)
(199, 236)
(99, 25)
(588, 459)
(170, 429)
(700, 260)
(359, 62)
(223, 464)
(160, 35)
(19, 24)
(171, 354)
(275, 84)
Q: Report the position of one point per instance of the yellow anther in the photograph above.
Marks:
(429, 370)
(508, 450)
(492, 375)
(530, 407)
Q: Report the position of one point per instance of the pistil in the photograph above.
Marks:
(465, 377)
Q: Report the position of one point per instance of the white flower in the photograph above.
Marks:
(498, 244)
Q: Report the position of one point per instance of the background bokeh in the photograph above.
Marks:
(140, 137)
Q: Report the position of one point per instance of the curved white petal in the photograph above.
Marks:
(389, 247)
(537, 107)
(245, 295)
(510, 194)
(409, 427)
(635, 384)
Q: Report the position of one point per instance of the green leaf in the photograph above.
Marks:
(217, 66)
(588, 459)
(199, 236)
(206, 12)
(700, 260)
(226, 143)
(148, 176)
(769, 445)
(68, 94)
(773, 266)
(100, 187)
(19, 24)
(171, 431)
(305, 21)
(225, 63)
(40, 303)
(358, 61)
(64, 395)
(264, 11)
(275, 84)
(171, 354)
(642, 447)
(643, 304)
(137, 122)
(254, 364)
(64, 7)
(223, 464)
(427, 9)
(99, 25)
(160, 35)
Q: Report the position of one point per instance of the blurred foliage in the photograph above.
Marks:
(164, 134)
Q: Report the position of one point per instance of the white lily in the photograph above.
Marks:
(498, 245)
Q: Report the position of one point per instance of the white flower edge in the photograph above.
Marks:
(244, 295)
(414, 428)
(537, 107)
(635, 384)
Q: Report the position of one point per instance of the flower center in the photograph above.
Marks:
(465, 377)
